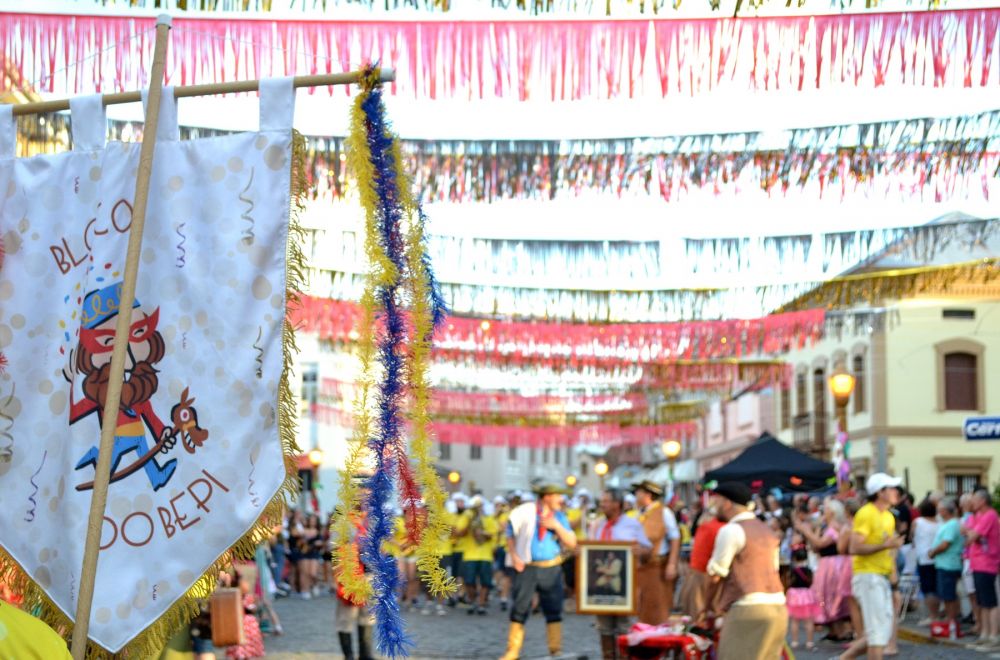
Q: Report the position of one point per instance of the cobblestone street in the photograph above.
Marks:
(309, 635)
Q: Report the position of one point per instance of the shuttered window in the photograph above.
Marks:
(961, 381)
(859, 383)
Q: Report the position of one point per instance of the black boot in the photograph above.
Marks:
(345, 645)
(365, 643)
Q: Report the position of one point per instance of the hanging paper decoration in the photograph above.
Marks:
(515, 59)
(582, 344)
(206, 403)
(398, 261)
(925, 158)
(841, 292)
(616, 8)
(666, 413)
(560, 436)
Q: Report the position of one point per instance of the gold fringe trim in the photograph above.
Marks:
(877, 287)
(151, 641)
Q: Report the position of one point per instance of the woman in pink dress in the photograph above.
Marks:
(832, 581)
(253, 641)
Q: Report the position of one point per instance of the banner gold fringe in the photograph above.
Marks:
(876, 287)
(151, 641)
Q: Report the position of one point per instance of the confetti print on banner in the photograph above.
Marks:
(7, 450)
(248, 235)
(181, 252)
(29, 516)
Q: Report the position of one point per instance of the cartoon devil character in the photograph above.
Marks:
(136, 416)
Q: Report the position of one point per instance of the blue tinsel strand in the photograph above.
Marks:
(390, 635)
(439, 310)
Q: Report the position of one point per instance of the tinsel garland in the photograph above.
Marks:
(972, 277)
(398, 261)
(537, 60)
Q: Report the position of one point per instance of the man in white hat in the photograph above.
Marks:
(873, 544)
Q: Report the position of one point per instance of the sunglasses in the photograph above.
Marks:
(103, 341)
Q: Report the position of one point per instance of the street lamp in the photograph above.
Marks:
(571, 481)
(454, 477)
(316, 457)
(671, 449)
(601, 469)
(841, 384)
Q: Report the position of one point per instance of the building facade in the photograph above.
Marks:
(921, 367)
(730, 426)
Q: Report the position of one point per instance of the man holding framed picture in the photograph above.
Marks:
(609, 570)
(744, 565)
(536, 534)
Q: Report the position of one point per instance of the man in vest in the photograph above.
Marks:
(657, 575)
(536, 534)
(744, 565)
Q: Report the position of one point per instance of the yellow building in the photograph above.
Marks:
(922, 366)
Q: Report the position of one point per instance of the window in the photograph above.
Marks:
(819, 406)
(801, 405)
(444, 451)
(858, 367)
(475, 452)
(786, 408)
(583, 469)
(960, 314)
(960, 381)
(545, 456)
(959, 484)
(531, 456)
(512, 453)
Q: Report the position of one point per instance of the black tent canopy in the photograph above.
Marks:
(769, 463)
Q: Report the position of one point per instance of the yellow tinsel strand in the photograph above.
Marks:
(437, 527)
(382, 273)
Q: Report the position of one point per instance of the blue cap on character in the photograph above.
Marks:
(101, 304)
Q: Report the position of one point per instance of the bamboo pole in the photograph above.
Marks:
(211, 89)
(109, 419)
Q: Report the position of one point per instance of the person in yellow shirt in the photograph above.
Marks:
(24, 637)
(873, 543)
(502, 515)
(477, 534)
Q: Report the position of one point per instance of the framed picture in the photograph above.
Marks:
(605, 578)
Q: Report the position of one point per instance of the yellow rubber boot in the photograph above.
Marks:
(554, 633)
(515, 640)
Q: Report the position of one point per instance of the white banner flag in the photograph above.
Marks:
(198, 445)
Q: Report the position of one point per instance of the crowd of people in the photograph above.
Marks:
(762, 570)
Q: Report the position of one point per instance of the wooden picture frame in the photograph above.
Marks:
(601, 587)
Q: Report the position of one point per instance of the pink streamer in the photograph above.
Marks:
(554, 60)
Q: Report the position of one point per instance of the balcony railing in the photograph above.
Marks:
(810, 432)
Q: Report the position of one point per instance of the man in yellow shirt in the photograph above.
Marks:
(477, 535)
(873, 543)
(24, 637)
